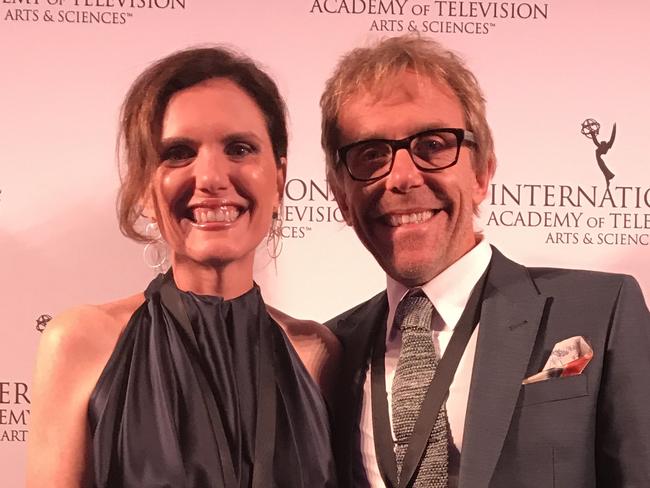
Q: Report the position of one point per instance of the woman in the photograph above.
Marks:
(195, 383)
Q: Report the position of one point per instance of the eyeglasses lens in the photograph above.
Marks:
(431, 150)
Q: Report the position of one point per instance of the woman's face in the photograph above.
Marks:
(217, 184)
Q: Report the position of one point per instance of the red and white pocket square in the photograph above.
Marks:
(568, 358)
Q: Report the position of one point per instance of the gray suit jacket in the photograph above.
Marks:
(580, 431)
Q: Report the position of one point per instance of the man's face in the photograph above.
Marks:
(414, 223)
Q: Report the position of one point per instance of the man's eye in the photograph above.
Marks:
(240, 150)
(176, 155)
(373, 154)
(431, 144)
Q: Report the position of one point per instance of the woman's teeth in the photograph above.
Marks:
(220, 214)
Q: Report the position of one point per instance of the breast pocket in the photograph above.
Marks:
(554, 389)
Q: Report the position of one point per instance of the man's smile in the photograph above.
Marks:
(414, 217)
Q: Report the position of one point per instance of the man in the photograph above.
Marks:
(409, 159)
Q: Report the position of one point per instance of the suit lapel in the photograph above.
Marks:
(356, 331)
(511, 314)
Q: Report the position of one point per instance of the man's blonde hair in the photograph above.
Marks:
(372, 68)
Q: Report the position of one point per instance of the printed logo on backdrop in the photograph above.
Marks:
(590, 129)
(308, 203)
(434, 16)
(602, 214)
(115, 12)
(41, 322)
(14, 411)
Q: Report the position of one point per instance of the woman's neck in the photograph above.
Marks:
(227, 280)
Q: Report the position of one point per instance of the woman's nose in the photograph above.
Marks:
(211, 171)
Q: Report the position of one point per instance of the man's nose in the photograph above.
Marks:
(405, 174)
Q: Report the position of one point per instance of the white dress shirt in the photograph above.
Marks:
(449, 293)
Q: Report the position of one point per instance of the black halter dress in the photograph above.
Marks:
(201, 392)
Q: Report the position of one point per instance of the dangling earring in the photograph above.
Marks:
(274, 239)
(155, 253)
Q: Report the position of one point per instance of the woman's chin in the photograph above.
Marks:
(216, 255)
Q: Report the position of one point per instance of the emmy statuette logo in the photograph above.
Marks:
(590, 129)
(41, 322)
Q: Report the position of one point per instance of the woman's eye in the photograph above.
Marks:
(176, 155)
(240, 150)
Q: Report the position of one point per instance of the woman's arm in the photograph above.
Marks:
(73, 351)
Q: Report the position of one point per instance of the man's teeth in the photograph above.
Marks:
(219, 214)
(412, 218)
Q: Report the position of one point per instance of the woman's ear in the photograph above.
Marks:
(281, 178)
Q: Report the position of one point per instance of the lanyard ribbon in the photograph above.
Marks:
(433, 399)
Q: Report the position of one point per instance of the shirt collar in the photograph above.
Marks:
(450, 290)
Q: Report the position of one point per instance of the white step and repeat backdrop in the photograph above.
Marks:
(546, 68)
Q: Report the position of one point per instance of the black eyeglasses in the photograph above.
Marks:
(431, 150)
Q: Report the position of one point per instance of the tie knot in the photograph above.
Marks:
(414, 312)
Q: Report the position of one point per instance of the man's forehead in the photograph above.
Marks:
(398, 106)
(396, 88)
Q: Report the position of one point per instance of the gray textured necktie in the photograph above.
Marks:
(415, 369)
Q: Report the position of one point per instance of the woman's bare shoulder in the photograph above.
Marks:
(316, 345)
(76, 346)
(88, 331)
(88, 321)
(120, 311)
(309, 332)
